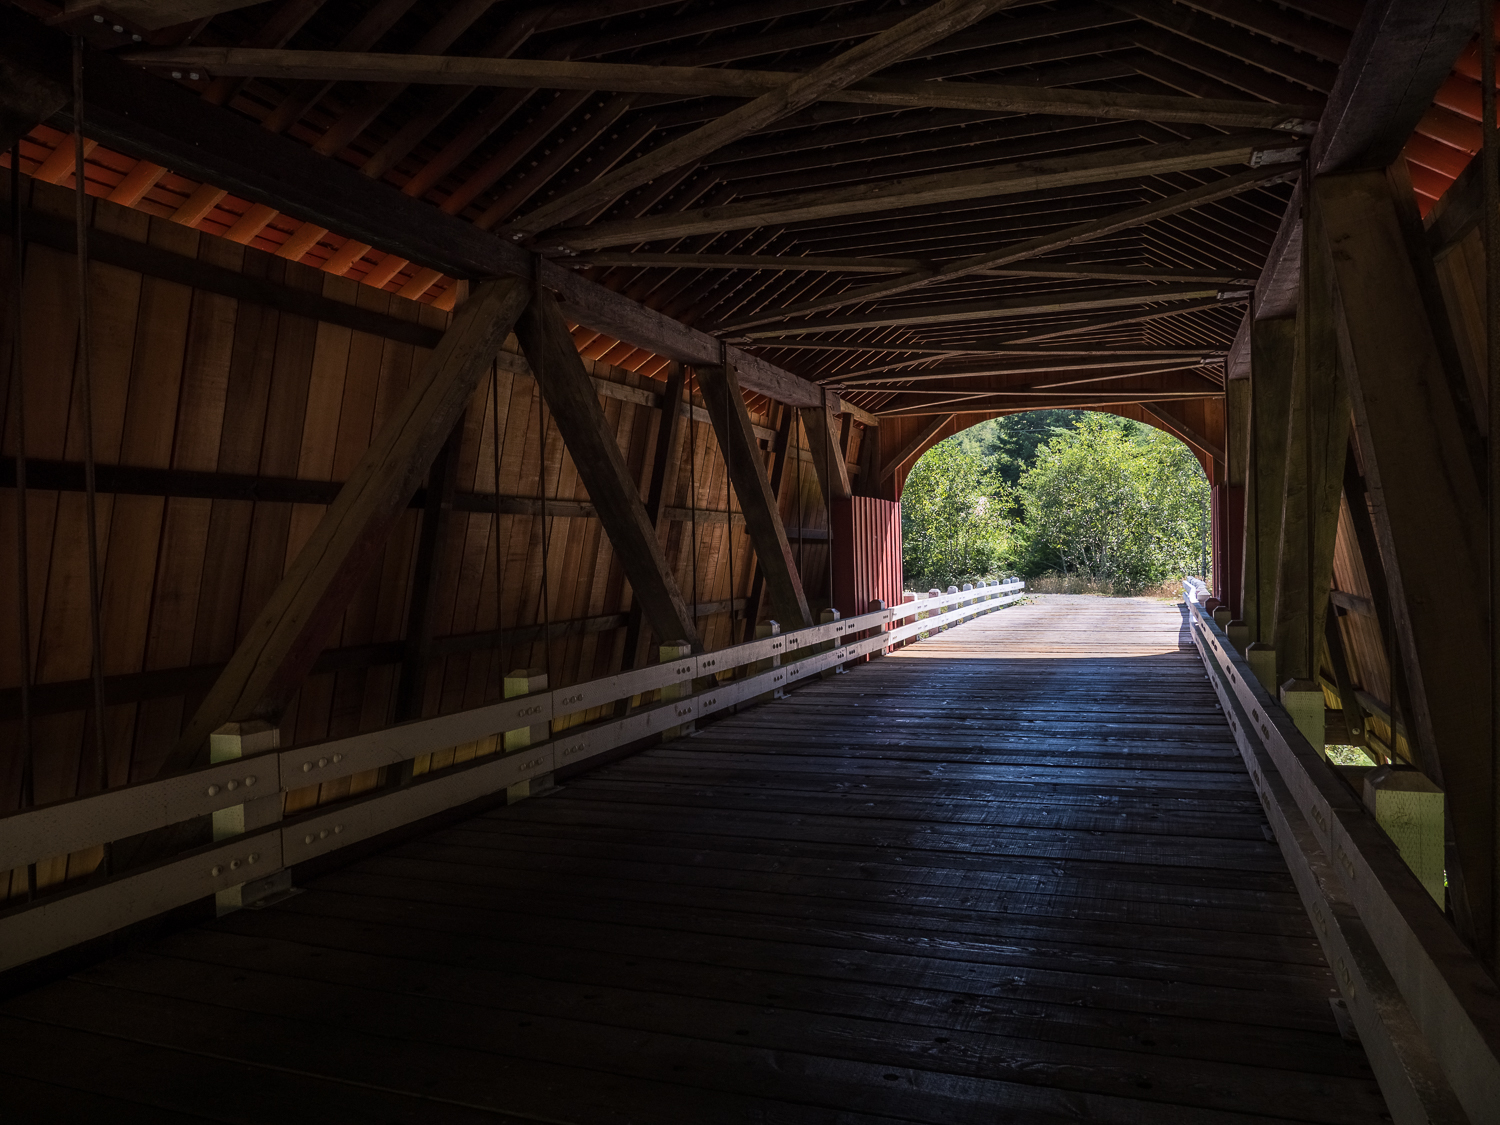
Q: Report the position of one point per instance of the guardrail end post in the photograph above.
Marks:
(1262, 660)
(1239, 636)
(1303, 701)
(521, 682)
(823, 619)
(229, 743)
(680, 650)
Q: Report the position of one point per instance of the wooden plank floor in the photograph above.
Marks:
(1015, 873)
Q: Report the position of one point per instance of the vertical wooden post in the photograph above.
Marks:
(281, 646)
(824, 617)
(726, 407)
(1317, 441)
(783, 450)
(876, 605)
(870, 472)
(1235, 491)
(666, 463)
(827, 454)
(1428, 510)
(518, 684)
(1354, 717)
(1272, 351)
(615, 492)
(437, 506)
(229, 743)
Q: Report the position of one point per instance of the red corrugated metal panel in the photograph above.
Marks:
(866, 553)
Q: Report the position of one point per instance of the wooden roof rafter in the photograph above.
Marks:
(491, 157)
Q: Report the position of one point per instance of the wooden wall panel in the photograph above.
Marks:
(191, 380)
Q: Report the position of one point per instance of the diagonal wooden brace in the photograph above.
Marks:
(570, 393)
(281, 646)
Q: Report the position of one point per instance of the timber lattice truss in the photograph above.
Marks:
(953, 208)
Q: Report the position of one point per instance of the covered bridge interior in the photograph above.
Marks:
(456, 663)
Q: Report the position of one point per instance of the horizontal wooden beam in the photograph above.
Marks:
(990, 402)
(1101, 323)
(1075, 235)
(153, 261)
(700, 82)
(981, 370)
(1103, 272)
(1040, 174)
(953, 312)
(131, 480)
(62, 696)
(274, 656)
(975, 347)
(154, 14)
(167, 124)
(925, 26)
(815, 263)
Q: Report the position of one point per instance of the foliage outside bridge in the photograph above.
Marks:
(1088, 496)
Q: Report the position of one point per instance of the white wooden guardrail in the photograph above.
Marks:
(1426, 1010)
(252, 859)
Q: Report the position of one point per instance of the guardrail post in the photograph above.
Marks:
(1409, 807)
(523, 682)
(908, 598)
(932, 593)
(230, 742)
(828, 646)
(1239, 636)
(875, 606)
(1262, 660)
(769, 629)
(680, 690)
(1303, 701)
(1221, 617)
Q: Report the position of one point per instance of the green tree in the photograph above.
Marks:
(955, 523)
(1117, 501)
(1009, 443)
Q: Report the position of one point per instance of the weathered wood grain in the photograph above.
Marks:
(977, 865)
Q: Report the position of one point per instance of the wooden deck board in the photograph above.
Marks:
(1014, 873)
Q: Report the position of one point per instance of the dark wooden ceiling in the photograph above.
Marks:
(1171, 290)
